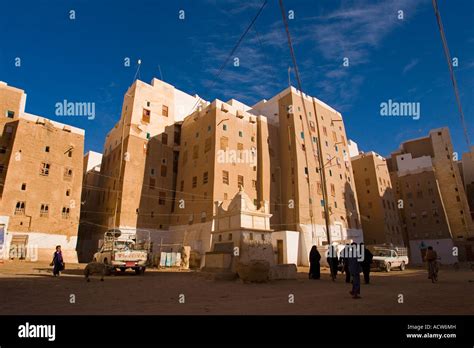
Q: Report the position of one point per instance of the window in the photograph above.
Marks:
(161, 198)
(240, 148)
(20, 208)
(152, 183)
(148, 103)
(44, 210)
(197, 134)
(68, 192)
(164, 170)
(44, 170)
(225, 177)
(152, 171)
(319, 188)
(207, 145)
(146, 116)
(241, 134)
(224, 127)
(23, 187)
(334, 136)
(325, 131)
(205, 177)
(46, 149)
(333, 190)
(240, 181)
(164, 139)
(254, 183)
(252, 138)
(65, 213)
(195, 181)
(67, 174)
(224, 143)
(209, 128)
(302, 135)
(164, 110)
(10, 114)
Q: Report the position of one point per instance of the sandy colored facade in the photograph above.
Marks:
(139, 165)
(435, 207)
(223, 147)
(467, 169)
(88, 240)
(297, 127)
(41, 180)
(377, 200)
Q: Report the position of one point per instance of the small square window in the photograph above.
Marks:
(23, 187)
(46, 149)
(10, 114)
(241, 134)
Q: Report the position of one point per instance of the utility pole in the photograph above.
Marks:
(319, 150)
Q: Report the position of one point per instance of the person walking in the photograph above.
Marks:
(354, 269)
(314, 266)
(366, 262)
(345, 262)
(333, 261)
(431, 257)
(58, 262)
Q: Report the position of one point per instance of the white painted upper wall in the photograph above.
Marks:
(353, 148)
(406, 164)
(93, 159)
(185, 104)
(239, 105)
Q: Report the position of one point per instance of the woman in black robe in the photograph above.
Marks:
(314, 266)
(57, 263)
(333, 261)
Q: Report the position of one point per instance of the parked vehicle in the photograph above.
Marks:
(121, 249)
(386, 259)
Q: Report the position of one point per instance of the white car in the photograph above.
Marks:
(388, 259)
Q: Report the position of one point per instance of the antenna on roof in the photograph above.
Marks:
(161, 75)
(138, 70)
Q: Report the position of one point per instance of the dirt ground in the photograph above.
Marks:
(29, 288)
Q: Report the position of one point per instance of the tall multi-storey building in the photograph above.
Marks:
(40, 181)
(180, 165)
(139, 164)
(467, 165)
(87, 242)
(435, 209)
(223, 149)
(309, 154)
(377, 200)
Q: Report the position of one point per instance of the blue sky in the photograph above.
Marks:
(83, 59)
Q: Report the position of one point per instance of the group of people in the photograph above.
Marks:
(354, 259)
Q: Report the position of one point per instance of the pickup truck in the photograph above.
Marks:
(387, 259)
(121, 250)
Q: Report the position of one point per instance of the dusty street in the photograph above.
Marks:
(29, 288)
